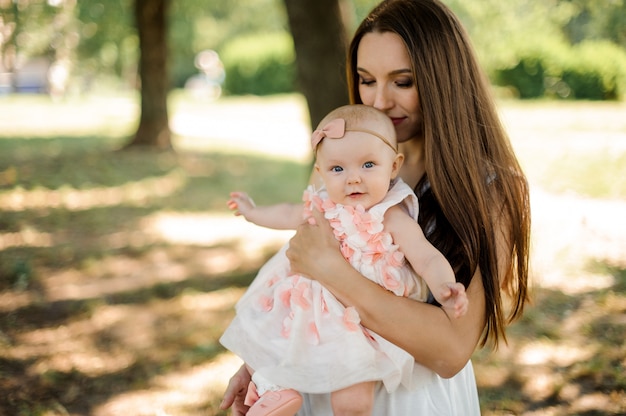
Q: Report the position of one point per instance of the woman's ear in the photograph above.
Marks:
(397, 164)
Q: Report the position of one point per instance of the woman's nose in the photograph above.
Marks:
(382, 100)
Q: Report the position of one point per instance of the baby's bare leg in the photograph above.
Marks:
(356, 400)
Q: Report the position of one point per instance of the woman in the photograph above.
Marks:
(412, 60)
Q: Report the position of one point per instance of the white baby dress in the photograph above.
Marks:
(296, 334)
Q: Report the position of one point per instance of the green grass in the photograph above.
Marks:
(597, 174)
(94, 309)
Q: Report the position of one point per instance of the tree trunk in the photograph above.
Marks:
(320, 42)
(151, 22)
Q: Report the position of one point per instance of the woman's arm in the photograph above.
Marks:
(437, 341)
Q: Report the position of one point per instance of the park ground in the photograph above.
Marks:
(120, 270)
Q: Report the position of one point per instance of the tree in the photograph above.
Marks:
(151, 22)
(319, 37)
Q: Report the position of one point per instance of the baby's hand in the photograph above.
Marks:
(453, 296)
(241, 203)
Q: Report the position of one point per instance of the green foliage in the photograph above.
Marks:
(22, 27)
(15, 272)
(259, 64)
(533, 54)
(596, 70)
(196, 26)
(499, 29)
(593, 70)
(526, 77)
(593, 19)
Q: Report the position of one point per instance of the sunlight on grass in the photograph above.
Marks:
(568, 230)
(175, 393)
(26, 237)
(119, 271)
(276, 126)
(541, 353)
(599, 173)
(213, 229)
(574, 147)
(31, 116)
(132, 193)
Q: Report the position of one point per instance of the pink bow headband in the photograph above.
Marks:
(336, 129)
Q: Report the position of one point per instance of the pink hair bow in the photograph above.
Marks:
(335, 129)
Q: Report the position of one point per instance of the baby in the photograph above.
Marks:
(292, 333)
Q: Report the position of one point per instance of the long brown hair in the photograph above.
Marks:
(473, 186)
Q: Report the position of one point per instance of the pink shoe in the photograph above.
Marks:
(277, 403)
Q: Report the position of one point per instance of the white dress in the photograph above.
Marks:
(296, 334)
(436, 396)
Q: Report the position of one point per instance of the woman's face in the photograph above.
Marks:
(386, 82)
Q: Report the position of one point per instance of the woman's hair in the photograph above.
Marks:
(473, 187)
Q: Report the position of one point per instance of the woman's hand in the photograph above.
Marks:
(425, 331)
(236, 392)
(314, 248)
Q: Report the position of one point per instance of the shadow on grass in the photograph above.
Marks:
(566, 355)
(79, 350)
(74, 352)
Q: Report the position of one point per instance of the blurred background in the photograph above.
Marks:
(124, 124)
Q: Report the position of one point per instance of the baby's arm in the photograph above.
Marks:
(426, 260)
(279, 217)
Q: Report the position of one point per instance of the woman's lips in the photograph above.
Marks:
(396, 120)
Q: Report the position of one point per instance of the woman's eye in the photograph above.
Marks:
(336, 169)
(368, 165)
(408, 83)
(363, 81)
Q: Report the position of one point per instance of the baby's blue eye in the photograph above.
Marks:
(368, 165)
(336, 169)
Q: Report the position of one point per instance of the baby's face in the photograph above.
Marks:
(356, 169)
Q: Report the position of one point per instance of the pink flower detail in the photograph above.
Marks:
(300, 295)
(286, 328)
(327, 205)
(318, 203)
(389, 280)
(312, 335)
(351, 319)
(395, 259)
(272, 281)
(375, 256)
(266, 303)
(346, 250)
(285, 297)
(364, 235)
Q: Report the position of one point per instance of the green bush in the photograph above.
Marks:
(526, 77)
(596, 70)
(592, 70)
(260, 64)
